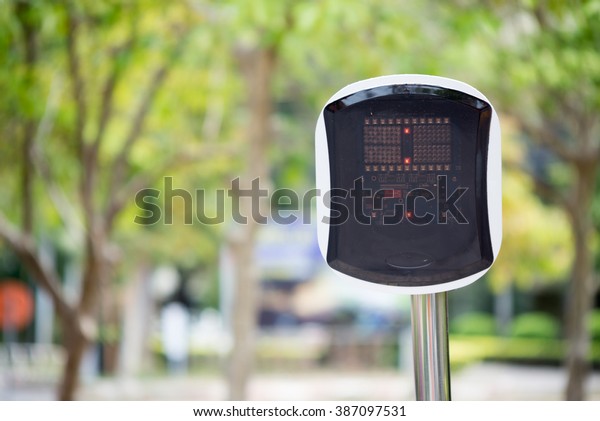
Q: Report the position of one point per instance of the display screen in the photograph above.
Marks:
(408, 195)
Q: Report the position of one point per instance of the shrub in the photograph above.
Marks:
(474, 324)
(535, 325)
(594, 325)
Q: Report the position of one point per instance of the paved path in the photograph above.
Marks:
(478, 382)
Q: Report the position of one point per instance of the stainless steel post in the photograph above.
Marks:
(430, 346)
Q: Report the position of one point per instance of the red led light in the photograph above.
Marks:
(406, 130)
(407, 160)
(409, 214)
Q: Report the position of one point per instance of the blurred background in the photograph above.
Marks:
(102, 99)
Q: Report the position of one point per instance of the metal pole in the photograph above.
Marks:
(430, 346)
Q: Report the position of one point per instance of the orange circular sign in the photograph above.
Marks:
(16, 304)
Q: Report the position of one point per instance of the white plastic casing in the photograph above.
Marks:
(494, 176)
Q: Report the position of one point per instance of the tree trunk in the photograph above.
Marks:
(76, 348)
(258, 66)
(581, 293)
(245, 302)
(82, 330)
(78, 320)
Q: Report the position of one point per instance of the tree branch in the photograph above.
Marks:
(105, 106)
(58, 197)
(106, 103)
(138, 121)
(85, 153)
(77, 83)
(543, 189)
(544, 136)
(24, 247)
(125, 193)
(156, 80)
(120, 162)
(27, 22)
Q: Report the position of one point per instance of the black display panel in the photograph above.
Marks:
(408, 167)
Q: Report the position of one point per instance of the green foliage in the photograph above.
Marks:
(594, 325)
(535, 325)
(199, 117)
(596, 219)
(469, 349)
(474, 324)
(536, 236)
